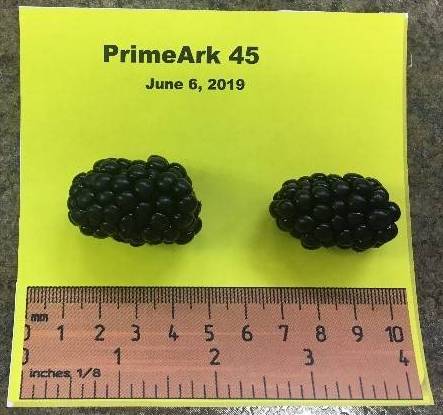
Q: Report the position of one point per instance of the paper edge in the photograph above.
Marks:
(11, 401)
(179, 10)
(427, 399)
(419, 349)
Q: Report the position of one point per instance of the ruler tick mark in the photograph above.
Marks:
(338, 390)
(241, 388)
(204, 390)
(229, 391)
(46, 389)
(192, 389)
(354, 306)
(107, 391)
(409, 385)
(386, 389)
(33, 391)
(391, 311)
(63, 309)
(313, 384)
(156, 391)
(253, 391)
(398, 391)
(167, 386)
(361, 387)
(246, 310)
(131, 390)
(99, 310)
(57, 395)
(374, 392)
(350, 391)
(95, 388)
(209, 309)
(216, 383)
(179, 390)
(318, 310)
(119, 383)
(70, 387)
(277, 390)
(282, 311)
(301, 392)
(143, 388)
(136, 310)
(289, 389)
(265, 389)
(326, 392)
(83, 391)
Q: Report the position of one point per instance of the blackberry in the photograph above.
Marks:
(330, 210)
(137, 202)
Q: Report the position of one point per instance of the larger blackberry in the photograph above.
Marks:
(136, 202)
(327, 210)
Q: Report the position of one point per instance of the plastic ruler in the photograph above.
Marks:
(218, 343)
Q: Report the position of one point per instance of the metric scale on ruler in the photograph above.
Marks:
(218, 343)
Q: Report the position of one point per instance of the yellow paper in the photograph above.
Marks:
(327, 95)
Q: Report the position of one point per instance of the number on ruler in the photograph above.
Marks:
(246, 334)
(209, 333)
(136, 332)
(172, 334)
(100, 330)
(357, 331)
(61, 332)
(285, 328)
(118, 353)
(309, 357)
(215, 354)
(395, 334)
(320, 333)
(403, 359)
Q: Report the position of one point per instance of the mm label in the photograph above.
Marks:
(218, 343)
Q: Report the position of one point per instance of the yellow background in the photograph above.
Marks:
(327, 95)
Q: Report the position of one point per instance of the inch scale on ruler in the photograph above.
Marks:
(218, 343)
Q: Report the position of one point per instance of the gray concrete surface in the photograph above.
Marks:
(425, 132)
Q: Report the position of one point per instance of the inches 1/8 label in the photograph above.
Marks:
(211, 84)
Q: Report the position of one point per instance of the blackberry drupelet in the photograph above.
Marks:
(137, 202)
(330, 210)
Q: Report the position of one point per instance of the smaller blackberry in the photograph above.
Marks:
(330, 210)
(138, 202)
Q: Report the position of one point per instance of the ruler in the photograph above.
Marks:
(218, 343)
